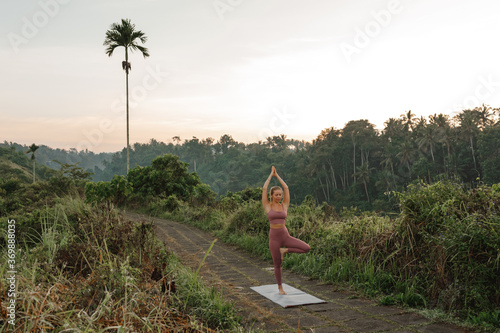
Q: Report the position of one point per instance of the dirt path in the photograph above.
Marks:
(236, 271)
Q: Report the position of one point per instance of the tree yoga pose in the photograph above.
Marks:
(280, 241)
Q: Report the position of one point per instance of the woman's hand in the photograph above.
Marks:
(273, 172)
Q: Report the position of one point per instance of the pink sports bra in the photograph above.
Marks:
(276, 217)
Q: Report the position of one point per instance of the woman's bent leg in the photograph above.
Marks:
(295, 245)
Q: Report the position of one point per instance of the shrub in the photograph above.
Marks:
(116, 191)
(248, 218)
(453, 235)
(167, 175)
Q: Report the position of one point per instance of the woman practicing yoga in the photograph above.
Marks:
(280, 241)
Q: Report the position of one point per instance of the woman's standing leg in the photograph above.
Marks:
(274, 246)
(276, 238)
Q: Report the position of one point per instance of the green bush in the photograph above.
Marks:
(160, 205)
(203, 195)
(249, 218)
(167, 175)
(116, 191)
(453, 233)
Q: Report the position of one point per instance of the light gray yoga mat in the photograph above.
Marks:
(294, 297)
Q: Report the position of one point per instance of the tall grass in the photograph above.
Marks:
(89, 269)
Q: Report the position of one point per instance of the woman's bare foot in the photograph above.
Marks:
(281, 291)
(283, 251)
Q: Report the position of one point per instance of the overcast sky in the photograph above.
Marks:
(248, 68)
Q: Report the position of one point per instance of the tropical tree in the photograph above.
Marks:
(428, 139)
(176, 139)
(125, 35)
(408, 120)
(363, 175)
(362, 135)
(394, 130)
(485, 114)
(444, 136)
(406, 154)
(32, 150)
(469, 126)
(389, 159)
(489, 151)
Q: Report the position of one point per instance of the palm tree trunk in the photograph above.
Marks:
(33, 170)
(128, 144)
(354, 159)
(323, 188)
(333, 177)
(366, 191)
(472, 150)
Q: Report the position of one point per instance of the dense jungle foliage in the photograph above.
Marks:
(85, 267)
(352, 166)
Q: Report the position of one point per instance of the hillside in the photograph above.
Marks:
(48, 156)
(16, 164)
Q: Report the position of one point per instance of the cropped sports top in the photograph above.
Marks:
(276, 217)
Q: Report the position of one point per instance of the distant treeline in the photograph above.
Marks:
(50, 157)
(353, 166)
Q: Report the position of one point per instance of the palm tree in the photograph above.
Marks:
(485, 113)
(388, 160)
(408, 119)
(363, 175)
(428, 139)
(469, 125)
(32, 150)
(125, 35)
(405, 155)
(393, 128)
(444, 134)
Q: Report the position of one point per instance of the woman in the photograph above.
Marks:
(280, 241)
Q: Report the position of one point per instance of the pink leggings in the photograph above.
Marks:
(281, 238)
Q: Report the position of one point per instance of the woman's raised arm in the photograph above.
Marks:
(286, 191)
(265, 200)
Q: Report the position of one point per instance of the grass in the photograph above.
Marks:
(90, 270)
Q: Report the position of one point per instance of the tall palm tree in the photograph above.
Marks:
(363, 175)
(405, 155)
(484, 114)
(444, 135)
(32, 150)
(408, 119)
(124, 34)
(469, 125)
(428, 139)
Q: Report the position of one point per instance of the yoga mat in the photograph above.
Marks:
(294, 297)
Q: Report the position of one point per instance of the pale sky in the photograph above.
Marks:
(248, 68)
